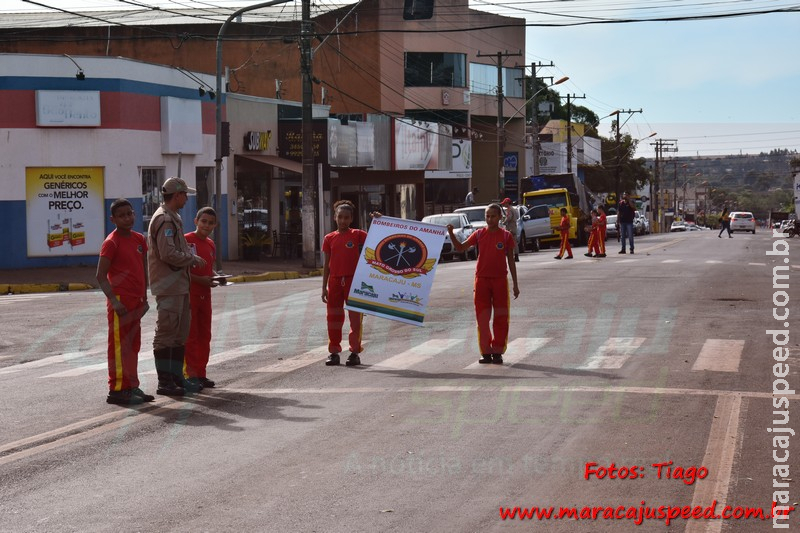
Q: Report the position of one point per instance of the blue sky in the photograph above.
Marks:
(713, 85)
(721, 86)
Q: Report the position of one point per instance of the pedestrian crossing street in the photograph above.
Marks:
(715, 355)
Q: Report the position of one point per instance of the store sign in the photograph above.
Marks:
(67, 108)
(416, 145)
(64, 210)
(257, 141)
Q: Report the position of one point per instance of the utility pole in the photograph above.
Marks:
(500, 126)
(618, 168)
(569, 129)
(535, 113)
(309, 172)
(661, 146)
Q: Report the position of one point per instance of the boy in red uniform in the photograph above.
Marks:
(122, 275)
(594, 236)
(564, 228)
(342, 249)
(491, 283)
(198, 344)
(602, 222)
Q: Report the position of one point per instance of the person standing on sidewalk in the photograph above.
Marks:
(169, 259)
(510, 222)
(626, 212)
(122, 275)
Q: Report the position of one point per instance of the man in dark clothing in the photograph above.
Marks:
(626, 211)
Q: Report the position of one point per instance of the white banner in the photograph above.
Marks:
(396, 269)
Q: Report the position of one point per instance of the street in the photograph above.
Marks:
(657, 358)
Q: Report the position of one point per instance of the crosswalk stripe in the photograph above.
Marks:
(516, 351)
(757, 264)
(47, 361)
(626, 260)
(713, 262)
(667, 261)
(88, 369)
(613, 353)
(417, 355)
(720, 355)
(299, 361)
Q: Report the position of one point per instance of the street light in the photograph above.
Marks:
(516, 110)
(535, 152)
(218, 120)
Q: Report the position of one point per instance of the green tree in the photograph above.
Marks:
(633, 172)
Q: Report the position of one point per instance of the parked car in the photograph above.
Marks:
(678, 225)
(535, 223)
(461, 228)
(645, 223)
(476, 214)
(743, 221)
(612, 230)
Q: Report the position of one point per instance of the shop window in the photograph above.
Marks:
(483, 80)
(152, 180)
(435, 69)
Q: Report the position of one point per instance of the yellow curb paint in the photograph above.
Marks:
(29, 288)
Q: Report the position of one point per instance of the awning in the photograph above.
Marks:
(275, 161)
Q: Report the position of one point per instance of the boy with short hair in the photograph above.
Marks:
(564, 229)
(198, 345)
(122, 275)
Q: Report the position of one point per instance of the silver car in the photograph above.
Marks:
(461, 229)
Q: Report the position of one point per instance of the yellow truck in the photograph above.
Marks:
(571, 195)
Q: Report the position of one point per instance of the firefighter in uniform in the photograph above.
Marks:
(169, 259)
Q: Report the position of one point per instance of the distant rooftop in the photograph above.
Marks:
(149, 17)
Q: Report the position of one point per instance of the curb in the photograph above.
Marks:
(30, 288)
(272, 276)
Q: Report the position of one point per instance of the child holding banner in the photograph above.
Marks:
(342, 249)
(495, 260)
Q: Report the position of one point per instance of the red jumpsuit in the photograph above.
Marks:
(564, 227)
(127, 278)
(601, 220)
(198, 344)
(343, 249)
(595, 237)
(491, 288)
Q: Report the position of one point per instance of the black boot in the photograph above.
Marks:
(177, 371)
(166, 385)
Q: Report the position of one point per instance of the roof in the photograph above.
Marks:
(291, 11)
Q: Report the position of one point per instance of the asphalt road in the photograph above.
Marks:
(632, 360)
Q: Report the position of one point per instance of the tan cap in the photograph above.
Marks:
(173, 185)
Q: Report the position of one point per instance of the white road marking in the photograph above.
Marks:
(720, 355)
(713, 262)
(517, 350)
(49, 361)
(723, 439)
(672, 261)
(613, 353)
(416, 355)
(510, 388)
(87, 369)
(317, 355)
(626, 260)
(757, 264)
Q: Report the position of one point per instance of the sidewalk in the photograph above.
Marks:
(83, 277)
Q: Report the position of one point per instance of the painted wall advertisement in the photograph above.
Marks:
(396, 269)
(65, 212)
